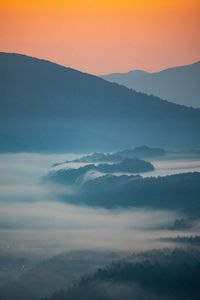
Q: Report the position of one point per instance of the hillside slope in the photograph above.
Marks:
(47, 107)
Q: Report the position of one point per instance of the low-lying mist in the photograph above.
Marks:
(59, 227)
(33, 221)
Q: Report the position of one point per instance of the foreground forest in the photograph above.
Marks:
(157, 274)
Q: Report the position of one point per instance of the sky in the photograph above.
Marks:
(103, 36)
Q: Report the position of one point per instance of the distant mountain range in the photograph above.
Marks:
(49, 108)
(180, 85)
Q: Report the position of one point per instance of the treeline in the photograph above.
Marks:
(180, 192)
(157, 274)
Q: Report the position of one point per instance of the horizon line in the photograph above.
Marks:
(96, 74)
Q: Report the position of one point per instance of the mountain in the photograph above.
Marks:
(46, 107)
(179, 85)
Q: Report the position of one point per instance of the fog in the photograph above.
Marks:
(64, 227)
(33, 221)
(174, 165)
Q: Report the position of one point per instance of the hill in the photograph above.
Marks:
(152, 275)
(128, 165)
(178, 192)
(179, 85)
(46, 107)
(139, 152)
(54, 273)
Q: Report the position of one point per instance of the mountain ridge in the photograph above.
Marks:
(177, 84)
(48, 107)
(154, 72)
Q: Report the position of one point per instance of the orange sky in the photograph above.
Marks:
(102, 36)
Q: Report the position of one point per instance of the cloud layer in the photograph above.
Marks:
(32, 219)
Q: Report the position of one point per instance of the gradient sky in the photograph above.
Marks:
(103, 36)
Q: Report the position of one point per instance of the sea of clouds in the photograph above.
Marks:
(33, 220)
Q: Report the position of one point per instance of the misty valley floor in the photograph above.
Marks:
(47, 245)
